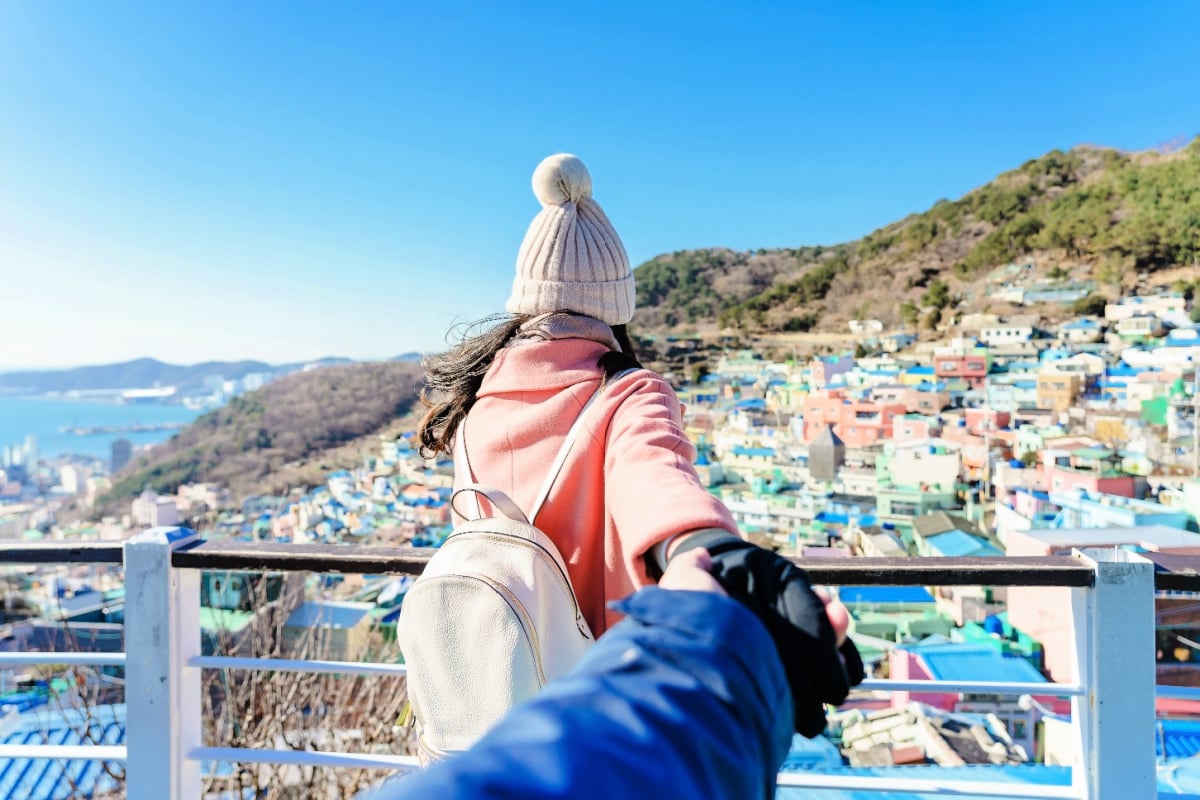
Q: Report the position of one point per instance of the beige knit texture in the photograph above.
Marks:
(571, 259)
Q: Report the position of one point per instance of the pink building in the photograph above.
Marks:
(1083, 469)
(914, 400)
(972, 368)
(980, 420)
(910, 428)
(857, 423)
(1044, 612)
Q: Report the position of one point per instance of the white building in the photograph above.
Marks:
(73, 479)
(152, 511)
(1006, 334)
(1164, 306)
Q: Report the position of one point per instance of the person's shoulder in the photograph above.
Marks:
(637, 381)
(637, 376)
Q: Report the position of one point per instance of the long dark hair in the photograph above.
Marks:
(453, 378)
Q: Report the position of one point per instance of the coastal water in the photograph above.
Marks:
(22, 416)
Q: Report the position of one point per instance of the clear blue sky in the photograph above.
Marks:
(286, 180)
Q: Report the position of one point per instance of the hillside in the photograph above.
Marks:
(1088, 214)
(265, 436)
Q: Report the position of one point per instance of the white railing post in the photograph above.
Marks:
(162, 693)
(1114, 660)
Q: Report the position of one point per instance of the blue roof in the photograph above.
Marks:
(49, 779)
(919, 370)
(752, 402)
(974, 662)
(1177, 738)
(884, 594)
(754, 451)
(335, 615)
(1081, 324)
(960, 543)
(809, 754)
(1033, 774)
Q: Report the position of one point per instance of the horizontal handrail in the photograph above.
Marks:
(814, 780)
(296, 665)
(913, 571)
(1177, 692)
(375, 668)
(1175, 572)
(87, 752)
(71, 659)
(62, 552)
(309, 758)
(1013, 571)
(271, 556)
(975, 687)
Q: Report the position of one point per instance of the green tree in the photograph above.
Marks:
(1090, 306)
(937, 295)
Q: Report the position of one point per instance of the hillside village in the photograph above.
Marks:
(1006, 437)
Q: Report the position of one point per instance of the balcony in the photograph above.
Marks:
(1112, 720)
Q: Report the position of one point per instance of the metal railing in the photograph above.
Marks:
(1112, 601)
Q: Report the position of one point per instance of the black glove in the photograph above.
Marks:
(779, 594)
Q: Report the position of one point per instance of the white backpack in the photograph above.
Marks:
(492, 618)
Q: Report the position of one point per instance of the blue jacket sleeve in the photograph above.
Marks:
(685, 697)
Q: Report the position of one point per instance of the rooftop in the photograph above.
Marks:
(964, 662)
(1152, 537)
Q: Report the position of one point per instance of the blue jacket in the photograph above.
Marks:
(685, 697)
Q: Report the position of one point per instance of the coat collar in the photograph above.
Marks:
(543, 365)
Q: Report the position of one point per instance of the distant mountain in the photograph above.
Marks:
(251, 442)
(143, 372)
(1089, 214)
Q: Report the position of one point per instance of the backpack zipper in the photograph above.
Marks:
(558, 570)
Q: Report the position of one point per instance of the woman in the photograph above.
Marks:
(628, 494)
(628, 483)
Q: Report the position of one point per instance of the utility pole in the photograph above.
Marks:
(1196, 424)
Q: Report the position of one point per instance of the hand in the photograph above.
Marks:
(692, 570)
(808, 630)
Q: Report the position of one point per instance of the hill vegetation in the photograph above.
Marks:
(248, 444)
(1088, 213)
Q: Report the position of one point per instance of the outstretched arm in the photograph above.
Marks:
(686, 697)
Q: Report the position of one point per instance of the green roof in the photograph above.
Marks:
(1093, 453)
(215, 619)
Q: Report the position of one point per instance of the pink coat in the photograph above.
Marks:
(628, 483)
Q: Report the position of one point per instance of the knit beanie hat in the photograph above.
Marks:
(571, 259)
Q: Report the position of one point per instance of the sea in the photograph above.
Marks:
(46, 418)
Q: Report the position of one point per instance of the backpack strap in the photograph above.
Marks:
(498, 498)
(561, 458)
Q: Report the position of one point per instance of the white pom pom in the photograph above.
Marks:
(561, 179)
